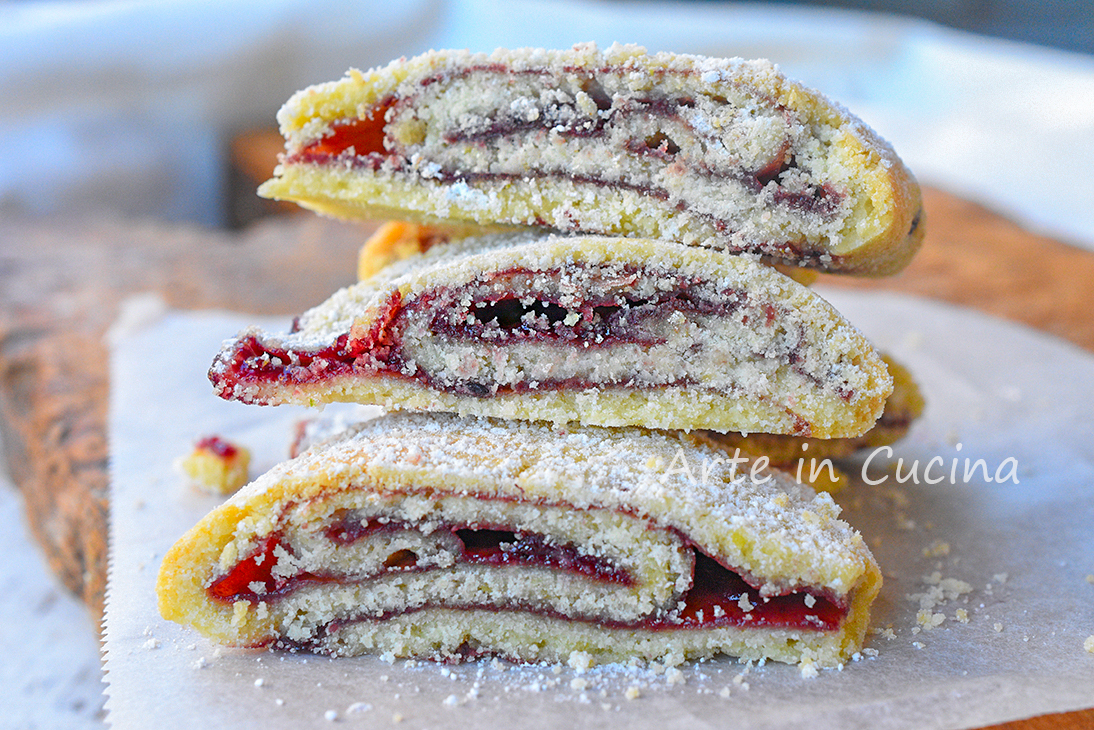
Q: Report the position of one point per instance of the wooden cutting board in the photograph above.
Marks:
(61, 284)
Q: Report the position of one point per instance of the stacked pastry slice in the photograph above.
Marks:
(435, 535)
(596, 286)
(724, 154)
(585, 329)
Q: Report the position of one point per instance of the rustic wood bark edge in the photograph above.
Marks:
(62, 287)
(53, 402)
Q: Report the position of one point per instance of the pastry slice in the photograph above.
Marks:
(436, 536)
(712, 152)
(594, 330)
(394, 241)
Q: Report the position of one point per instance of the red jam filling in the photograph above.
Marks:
(715, 599)
(605, 321)
(503, 547)
(479, 546)
(367, 137)
(255, 568)
(485, 545)
(718, 596)
(217, 446)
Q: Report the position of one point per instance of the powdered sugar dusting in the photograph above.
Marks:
(731, 515)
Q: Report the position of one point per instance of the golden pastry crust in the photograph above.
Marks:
(653, 504)
(903, 406)
(712, 152)
(394, 241)
(594, 330)
(397, 240)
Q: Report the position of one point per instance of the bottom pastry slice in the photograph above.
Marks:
(446, 537)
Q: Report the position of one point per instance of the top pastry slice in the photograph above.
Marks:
(721, 153)
(583, 329)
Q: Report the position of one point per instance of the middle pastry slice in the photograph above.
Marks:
(593, 330)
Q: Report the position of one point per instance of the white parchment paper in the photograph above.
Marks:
(1005, 570)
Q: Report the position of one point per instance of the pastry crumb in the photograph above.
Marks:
(937, 549)
(217, 465)
(928, 619)
(961, 615)
(580, 661)
(239, 612)
(940, 591)
(1089, 644)
(632, 693)
(997, 626)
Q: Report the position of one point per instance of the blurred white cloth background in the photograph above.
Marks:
(128, 106)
